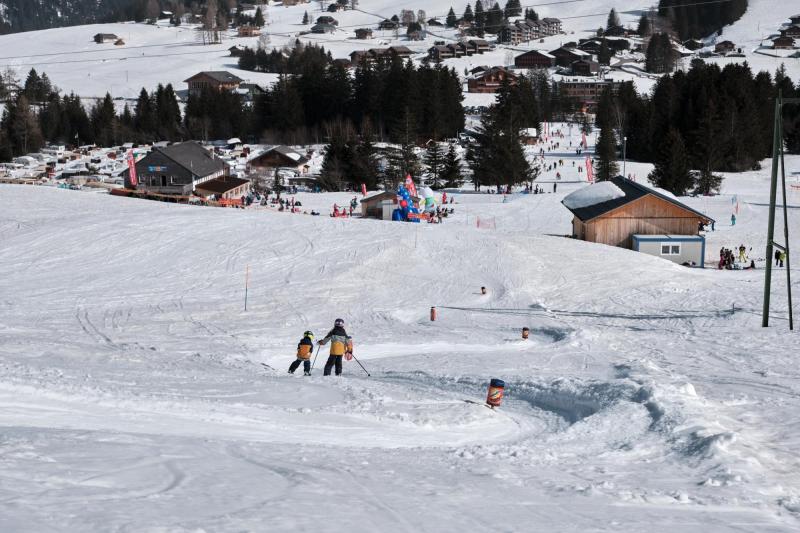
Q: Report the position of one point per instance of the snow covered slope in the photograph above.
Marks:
(156, 54)
(134, 396)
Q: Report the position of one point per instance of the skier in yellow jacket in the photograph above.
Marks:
(341, 342)
(304, 349)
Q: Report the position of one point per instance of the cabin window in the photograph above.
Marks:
(670, 249)
(163, 181)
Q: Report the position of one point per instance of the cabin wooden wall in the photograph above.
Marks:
(648, 215)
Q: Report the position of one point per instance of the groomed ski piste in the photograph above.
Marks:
(137, 394)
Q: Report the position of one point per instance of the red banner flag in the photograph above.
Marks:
(132, 169)
(363, 189)
(589, 169)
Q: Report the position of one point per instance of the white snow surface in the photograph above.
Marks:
(593, 194)
(134, 396)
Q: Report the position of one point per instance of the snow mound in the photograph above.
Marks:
(594, 194)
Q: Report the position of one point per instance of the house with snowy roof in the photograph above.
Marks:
(177, 169)
(621, 212)
(280, 157)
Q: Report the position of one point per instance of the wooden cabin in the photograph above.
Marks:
(637, 210)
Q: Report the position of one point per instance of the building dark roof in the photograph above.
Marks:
(222, 76)
(633, 191)
(222, 185)
(193, 157)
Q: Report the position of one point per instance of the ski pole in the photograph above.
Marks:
(359, 364)
(315, 357)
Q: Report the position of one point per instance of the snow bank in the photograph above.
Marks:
(594, 194)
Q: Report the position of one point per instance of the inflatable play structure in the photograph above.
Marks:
(406, 210)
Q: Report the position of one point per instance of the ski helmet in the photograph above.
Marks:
(309, 334)
(339, 322)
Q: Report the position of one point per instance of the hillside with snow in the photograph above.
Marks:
(136, 393)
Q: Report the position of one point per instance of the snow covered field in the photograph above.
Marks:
(133, 395)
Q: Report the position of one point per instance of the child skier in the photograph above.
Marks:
(304, 349)
(340, 343)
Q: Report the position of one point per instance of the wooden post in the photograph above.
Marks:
(246, 284)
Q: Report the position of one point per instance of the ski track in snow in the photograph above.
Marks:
(134, 394)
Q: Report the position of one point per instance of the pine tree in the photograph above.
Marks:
(306, 20)
(605, 54)
(613, 20)
(468, 15)
(451, 168)
(671, 170)
(258, 20)
(605, 163)
(104, 122)
(451, 19)
(434, 160)
(480, 17)
(643, 29)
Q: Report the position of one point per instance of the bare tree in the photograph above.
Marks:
(152, 10)
(210, 34)
(407, 17)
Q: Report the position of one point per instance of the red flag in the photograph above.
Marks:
(363, 189)
(132, 169)
(589, 169)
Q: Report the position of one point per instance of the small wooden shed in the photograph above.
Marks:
(625, 208)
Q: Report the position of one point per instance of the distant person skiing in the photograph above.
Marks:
(782, 258)
(777, 257)
(733, 219)
(340, 342)
(304, 349)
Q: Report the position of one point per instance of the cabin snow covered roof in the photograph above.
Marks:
(193, 157)
(222, 185)
(222, 76)
(603, 197)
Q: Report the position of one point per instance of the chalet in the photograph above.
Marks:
(510, 34)
(614, 31)
(783, 43)
(795, 19)
(693, 44)
(534, 59)
(343, 62)
(325, 19)
(550, 26)
(101, 38)
(435, 23)
(587, 92)
(791, 31)
(624, 213)
(479, 46)
(281, 157)
(590, 46)
(334, 7)
(458, 49)
(177, 169)
(236, 51)
(724, 47)
(219, 80)
(165, 15)
(359, 56)
(247, 30)
(490, 81)
(251, 91)
(224, 188)
(388, 25)
(439, 52)
(400, 51)
(363, 33)
(564, 57)
(585, 67)
(323, 28)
